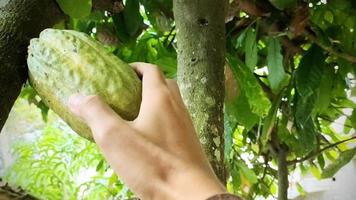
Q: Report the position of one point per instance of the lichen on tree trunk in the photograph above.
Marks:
(201, 47)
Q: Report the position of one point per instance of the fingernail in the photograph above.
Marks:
(75, 100)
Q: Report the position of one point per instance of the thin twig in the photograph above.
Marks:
(345, 56)
(16, 193)
(265, 169)
(328, 142)
(168, 36)
(331, 121)
(313, 155)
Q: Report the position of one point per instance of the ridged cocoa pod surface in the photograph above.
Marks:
(65, 62)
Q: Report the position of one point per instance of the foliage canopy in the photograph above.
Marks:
(290, 74)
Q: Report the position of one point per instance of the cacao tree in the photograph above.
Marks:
(288, 65)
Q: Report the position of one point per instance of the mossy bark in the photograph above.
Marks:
(201, 48)
(21, 20)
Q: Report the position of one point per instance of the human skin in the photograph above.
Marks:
(157, 155)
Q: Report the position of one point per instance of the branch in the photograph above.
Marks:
(283, 181)
(8, 192)
(345, 56)
(313, 155)
(265, 169)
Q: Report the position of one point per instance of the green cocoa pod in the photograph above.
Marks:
(65, 62)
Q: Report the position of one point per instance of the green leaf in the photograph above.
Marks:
(269, 122)
(306, 131)
(300, 189)
(273, 188)
(276, 73)
(353, 119)
(315, 171)
(308, 77)
(344, 102)
(248, 173)
(344, 158)
(100, 165)
(329, 16)
(324, 95)
(112, 183)
(251, 49)
(321, 161)
(132, 16)
(309, 72)
(288, 138)
(44, 110)
(303, 169)
(236, 178)
(168, 65)
(257, 99)
(229, 128)
(239, 110)
(28, 92)
(120, 27)
(307, 136)
(240, 39)
(304, 109)
(353, 92)
(76, 8)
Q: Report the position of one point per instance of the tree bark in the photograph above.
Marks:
(201, 48)
(283, 182)
(21, 20)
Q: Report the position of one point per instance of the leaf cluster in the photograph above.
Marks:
(290, 77)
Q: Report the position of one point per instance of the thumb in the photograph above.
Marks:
(95, 112)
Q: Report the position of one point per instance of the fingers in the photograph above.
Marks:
(151, 75)
(157, 92)
(96, 113)
(174, 89)
(153, 86)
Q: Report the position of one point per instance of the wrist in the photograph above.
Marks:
(191, 184)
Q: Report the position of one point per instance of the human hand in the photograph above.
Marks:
(158, 155)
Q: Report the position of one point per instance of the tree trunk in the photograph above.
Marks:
(201, 47)
(283, 182)
(21, 20)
